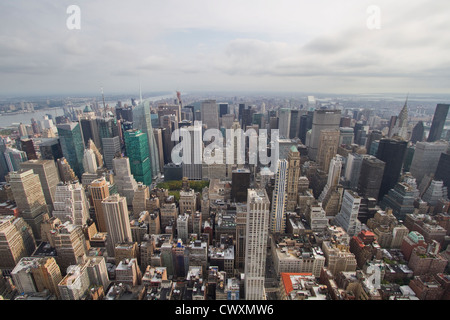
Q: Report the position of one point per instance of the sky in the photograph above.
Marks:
(351, 46)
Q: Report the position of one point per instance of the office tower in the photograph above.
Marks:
(373, 136)
(142, 122)
(353, 169)
(437, 126)
(322, 120)
(293, 176)
(328, 145)
(71, 203)
(334, 174)
(417, 132)
(29, 197)
(27, 146)
(346, 136)
(159, 143)
(294, 124)
(210, 114)
(13, 246)
(48, 176)
(443, 169)
(392, 153)
(50, 149)
(241, 110)
(392, 123)
(70, 244)
(89, 161)
(409, 155)
(401, 125)
(72, 145)
(89, 126)
(371, 173)
(305, 125)
(240, 237)
(426, 158)
(111, 148)
(401, 198)
(258, 210)
(14, 158)
(347, 218)
(247, 117)
(223, 109)
(140, 199)
(99, 190)
(279, 199)
(97, 271)
(124, 179)
(193, 170)
(137, 152)
(436, 191)
(75, 284)
(117, 221)
(240, 182)
(183, 226)
(284, 122)
(227, 120)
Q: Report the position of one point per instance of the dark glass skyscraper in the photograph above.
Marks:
(443, 169)
(437, 126)
(392, 152)
(417, 133)
(72, 145)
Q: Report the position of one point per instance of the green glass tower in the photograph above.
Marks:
(72, 145)
(136, 145)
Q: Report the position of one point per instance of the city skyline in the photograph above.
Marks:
(196, 45)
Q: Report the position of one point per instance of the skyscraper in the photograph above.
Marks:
(370, 176)
(328, 145)
(72, 145)
(142, 121)
(437, 126)
(99, 191)
(48, 176)
(258, 210)
(322, 119)
(117, 221)
(426, 158)
(347, 218)
(210, 114)
(284, 122)
(27, 191)
(294, 171)
(137, 151)
(111, 148)
(279, 199)
(418, 132)
(443, 169)
(71, 203)
(392, 153)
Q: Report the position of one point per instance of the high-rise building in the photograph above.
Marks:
(97, 271)
(194, 147)
(99, 191)
(223, 109)
(426, 158)
(48, 175)
(117, 220)
(293, 176)
(240, 182)
(437, 126)
(417, 134)
(284, 122)
(72, 145)
(138, 153)
(75, 284)
(142, 121)
(111, 148)
(89, 126)
(401, 198)
(322, 120)
(124, 179)
(401, 125)
(210, 114)
(305, 125)
(328, 145)
(353, 169)
(347, 218)
(14, 242)
(258, 211)
(89, 161)
(443, 169)
(279, 199)
(71, 203)
(65, 170)
(392, 153)
(29, 197)
(371, 173)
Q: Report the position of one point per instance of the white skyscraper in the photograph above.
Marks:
(279, 199)
(89, 161)
(347, 218)
(257, 226)
(124, 180)
(71, 203)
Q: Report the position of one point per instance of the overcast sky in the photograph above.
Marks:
(196, 45)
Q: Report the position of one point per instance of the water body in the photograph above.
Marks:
(38, 115)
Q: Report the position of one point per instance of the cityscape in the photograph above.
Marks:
(203, 190)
